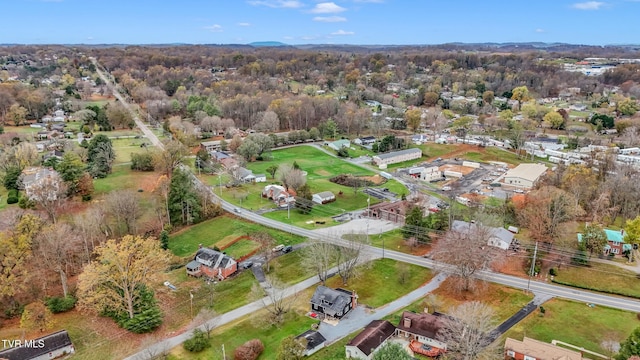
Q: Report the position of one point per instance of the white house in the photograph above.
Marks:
(323, 197)
(260, 178)
(431, 173)
(500, 237)
(367, 140)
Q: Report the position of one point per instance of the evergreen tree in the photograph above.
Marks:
(184, 204)
(630, 347)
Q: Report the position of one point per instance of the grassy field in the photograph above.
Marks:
(288, 268)
(384, 280)
(209, 232)
(124, 148)
(577, 324)
(433, 150)
(601, 277)
(241, 248)
(394, 240)
(254, 327)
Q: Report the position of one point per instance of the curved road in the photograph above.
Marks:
(507, 280)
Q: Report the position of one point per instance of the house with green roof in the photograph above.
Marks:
(616, 244)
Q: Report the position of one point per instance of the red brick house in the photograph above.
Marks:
(212, 264)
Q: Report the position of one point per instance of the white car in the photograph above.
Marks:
(518, 191)
(446, 188)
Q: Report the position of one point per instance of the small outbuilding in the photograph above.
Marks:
(323, 197)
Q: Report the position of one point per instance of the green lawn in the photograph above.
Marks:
(288, 268)
(393, 240)
(433, 150)
(209, 232)
(384, 280)
(602, 277)
(241, 248)
(124, 148)
(233, 335)
(121, 177)
(577, 324)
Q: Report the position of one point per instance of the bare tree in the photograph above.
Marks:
(124, 208)
(206, 319)
(464, 252)
(291, 177)
(50, 193)
(92, 227)
(267, 242)
(56, 247)
(319, 256)
(467, 331)
(349, 255)
(276, 302)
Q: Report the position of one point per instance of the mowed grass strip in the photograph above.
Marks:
(209, 232)
(601, 277)
(577, 324)
(384, 280)
(242, 248)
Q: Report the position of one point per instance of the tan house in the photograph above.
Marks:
(530, 349)
(524, 176)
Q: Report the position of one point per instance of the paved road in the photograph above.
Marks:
(114, 90)
(373, 252)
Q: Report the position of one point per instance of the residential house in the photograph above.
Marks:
(217, 156)
(369, 340)
(323, 197)
(397, 156)
(260, 178)
(524, 176)
(615, 242)
(38, 175)
(367, 140)
(315, 341)
(499, 237)
(531, 349)
(228, 162)
(390, 211)
(421, 330)
(211, 146)
(53, 154)
(212, 263)
(52, 346)
(419, 139)
(339, 144)
(280, 196)
(334, 303)
(245, 175)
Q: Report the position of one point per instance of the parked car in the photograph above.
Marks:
(287, 249)
(278, 248)
(247, 264)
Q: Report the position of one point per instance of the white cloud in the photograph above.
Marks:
(244, 24)
(287, 4)
(329, 18)
(588, 5)
(327, 8)
(214, 28)
(342, 32)
(539, 30)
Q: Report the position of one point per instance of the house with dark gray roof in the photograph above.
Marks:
(212, 263)
(52, 346)
(315, 341)
(369, 340)
(334, 303)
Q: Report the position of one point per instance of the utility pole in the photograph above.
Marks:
(191, 301)
(533, 265)
(368, 214)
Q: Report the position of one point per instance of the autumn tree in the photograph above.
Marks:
(250, 350)
(464, 252)
(291, 177)
(632, 231)
(594, 239)
(467, 331)
(488, 97)
(119, 116)
(628, 106)
(391, 351)
(170, 157)
(36, 316)
(15, 251)
(120, 280)
(431, 98)
(292, 348)
(17, 114)
(520, 94)
(554, 120)
(545, 210)
(413, 118)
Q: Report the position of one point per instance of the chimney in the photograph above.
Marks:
(407, 322)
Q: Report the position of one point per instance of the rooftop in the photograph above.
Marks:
(540, 350)
(398, 153)
(372, 336)
(529, 172)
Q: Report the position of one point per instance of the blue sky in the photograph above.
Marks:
(396, 22)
